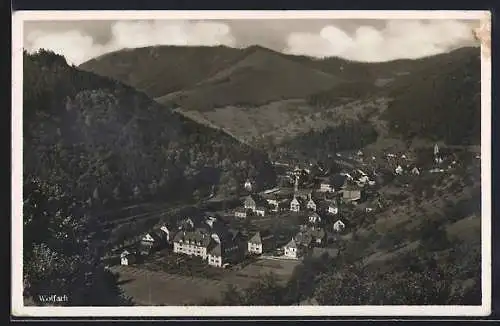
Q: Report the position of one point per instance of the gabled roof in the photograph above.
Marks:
(339, 222)
(249, 201)
(311, 201)
(216, 250)
(148, 237)
(291, 244)
(256, 238)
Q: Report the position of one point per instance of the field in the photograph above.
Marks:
(148, 287)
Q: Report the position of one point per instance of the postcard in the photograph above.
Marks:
(251, 163)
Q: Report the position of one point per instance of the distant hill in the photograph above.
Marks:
(257, 94)
(104, 141)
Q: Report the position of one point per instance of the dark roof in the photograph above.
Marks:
(258, 236)
(197, 236)
(260, 208)
(240, 210)
(216, 250)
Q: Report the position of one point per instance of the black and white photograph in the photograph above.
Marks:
(251, 163)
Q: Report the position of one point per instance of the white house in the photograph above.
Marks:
(339, 226)
(214, 257)
(398, 170)
(326, 187)
(126, 258)
(240, 213)
(193, 243)
(260, 211)
(295, 205)
(314, 218)
(311, 204)
(291, 249)
(332, 209)
(415, 171)
(274, 204)
(250, 203)
(260, 242)
(248, 185)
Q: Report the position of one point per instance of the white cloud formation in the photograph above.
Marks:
(78, 47)
(399, 39)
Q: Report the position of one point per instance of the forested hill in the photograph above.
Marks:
(106, 143)
(256, 93)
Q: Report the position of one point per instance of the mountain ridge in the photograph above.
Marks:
(257, 91)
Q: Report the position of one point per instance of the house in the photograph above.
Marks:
(194, 243)
(295, 205)
(260, 211)
(351, 193)
(332, 208)
(260, 242)
(148, 242)
(248, 185)
(127, 258)
(240, 213)
(226, 250)
(249, 203)
(292, 250)
(166, 232)
(274, 204)
(326, 186)
(339, 226)
(314, 218)
(399, 170)
(415, 171)
(311, 205)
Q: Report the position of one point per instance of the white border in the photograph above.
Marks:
(19, 310)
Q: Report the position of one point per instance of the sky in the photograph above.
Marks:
(367, 40)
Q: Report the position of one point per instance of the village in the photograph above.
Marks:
(314, 205)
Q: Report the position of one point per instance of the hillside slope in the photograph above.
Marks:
(105, 142)
(256, 93)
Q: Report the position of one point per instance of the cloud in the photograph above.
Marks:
(399, 39)
(78, 47)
